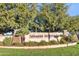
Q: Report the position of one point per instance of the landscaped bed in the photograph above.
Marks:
(66, 51)
(49, 51)
(40, 47)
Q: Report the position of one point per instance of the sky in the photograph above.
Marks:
(73, 9)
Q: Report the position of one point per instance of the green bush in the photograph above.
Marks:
(63, 41)
(17, 44)
(78, 42)
(7, 41)
(31, 43)
(74, 38)
(52, 42)
(42, 43)
(1, 43)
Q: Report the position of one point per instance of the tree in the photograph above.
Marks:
(74, 24)
(7, 19)
(56, 17)
(47, 18)
(60, 11)
(33, 13)
(22, 17)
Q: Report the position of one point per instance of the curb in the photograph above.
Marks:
(40, 47)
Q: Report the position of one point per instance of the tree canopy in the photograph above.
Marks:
(36, 17)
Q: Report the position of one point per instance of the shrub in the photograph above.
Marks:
(63, 41)
(42, 43)
(74, 38)
(31, 43)
(7, 41)
(1, 43)
(17, 44)
(52, 42)
(78, 42)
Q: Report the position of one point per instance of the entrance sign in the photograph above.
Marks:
(38, 36)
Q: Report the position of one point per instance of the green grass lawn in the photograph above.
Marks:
(67, 51)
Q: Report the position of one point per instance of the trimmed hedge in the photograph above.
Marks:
(17, 44)
(30, 43)
(53, 42)
(42, 43)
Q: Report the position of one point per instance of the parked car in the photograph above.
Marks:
(8, 33)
